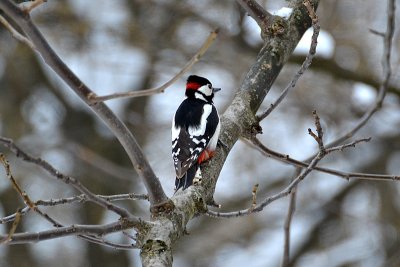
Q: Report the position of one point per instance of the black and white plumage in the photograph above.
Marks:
(195, 130)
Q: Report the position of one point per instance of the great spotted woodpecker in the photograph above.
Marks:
(195, 131)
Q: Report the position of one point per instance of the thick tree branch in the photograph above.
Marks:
(22, 19)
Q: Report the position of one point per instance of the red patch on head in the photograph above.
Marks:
(192, 86)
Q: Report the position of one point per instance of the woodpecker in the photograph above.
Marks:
(195, 131)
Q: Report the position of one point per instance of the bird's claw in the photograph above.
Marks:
(222, 144)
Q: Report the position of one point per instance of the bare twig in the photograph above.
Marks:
(345, 175)
(13, 228)
(254, 197)
(65, 178)
(287, 226)
(381, 34)
(257, 12)
(30, 5)
(84, 198)
(33, 206)
(91, 238)
(30, 205)
(111, 244)
(16, 34)
(146, 92)
(153, 186)
(125, 233)
(27, 200)
(69, 200)
(14, 183)
(317, 137)
(13, 216)
(117, 226)
(304, 66)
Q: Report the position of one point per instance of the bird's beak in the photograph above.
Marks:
(216, 89)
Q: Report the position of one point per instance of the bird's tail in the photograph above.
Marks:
(186, 180)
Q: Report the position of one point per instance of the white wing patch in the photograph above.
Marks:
(200, 130)
(214, 139)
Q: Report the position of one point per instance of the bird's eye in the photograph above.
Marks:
(209, 86)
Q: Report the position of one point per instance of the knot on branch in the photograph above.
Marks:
(164, 207)
(319, 136)
(200, 205)
(276, 28)
(154, 247)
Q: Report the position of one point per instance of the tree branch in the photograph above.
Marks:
(146, 92)
(33, 206)
(304, 66)
(16, 34)
(77, 229)
(22, 19)
(27, 7)
(272, 198)
(65, 178)
(322, 152)
(13, 228)
(287, 226)
(69, 200)
(255, 143)
(257, 12)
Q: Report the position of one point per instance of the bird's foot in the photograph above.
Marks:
(222, 144)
